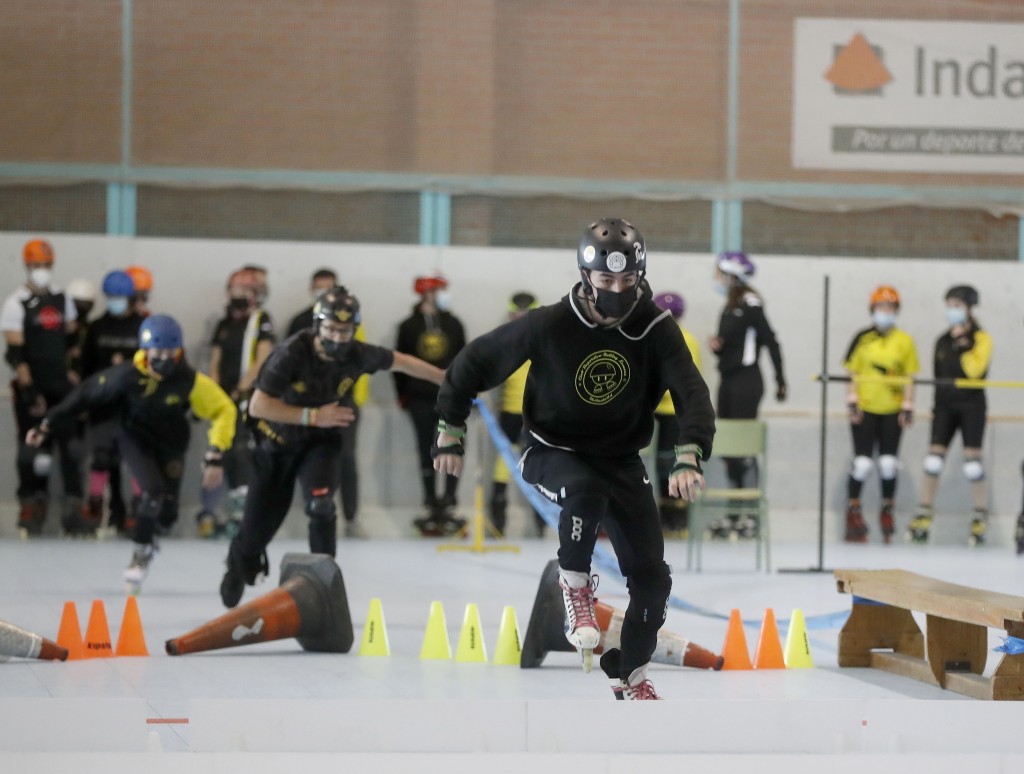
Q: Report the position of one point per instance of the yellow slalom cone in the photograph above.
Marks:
(798, 650)
(435, 639)
(375, 636)
(471, 638)
(509, 651)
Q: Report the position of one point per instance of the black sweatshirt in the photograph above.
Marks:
(744, 330)
(590, 389)
(435, 338)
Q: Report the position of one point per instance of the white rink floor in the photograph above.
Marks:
(280, 701)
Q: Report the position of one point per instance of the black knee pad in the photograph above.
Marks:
(149, 506)
(321, 507)
(649, 588)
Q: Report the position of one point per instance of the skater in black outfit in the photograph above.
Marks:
(37, 321)
(435, 335)
(303, 397)
(602, 358)
(743, 330)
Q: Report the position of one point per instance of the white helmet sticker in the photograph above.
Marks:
(616, 261)
(588, 253)
(641, 254)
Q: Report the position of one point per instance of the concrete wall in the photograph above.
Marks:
(189, 280)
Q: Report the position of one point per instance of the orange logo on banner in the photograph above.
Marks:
(858, 68)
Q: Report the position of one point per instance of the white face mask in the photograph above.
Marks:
(443, 300)
(40, 277)
(956, 315)
(719, 288)
(883, 320)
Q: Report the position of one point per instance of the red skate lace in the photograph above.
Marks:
(582, 600)
(643, 692)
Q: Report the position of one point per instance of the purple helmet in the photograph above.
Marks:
(736, 264)
(673, 302)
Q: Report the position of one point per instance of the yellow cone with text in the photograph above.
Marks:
(471, 638)
(375, 636)
(798, 649)
(509, 651)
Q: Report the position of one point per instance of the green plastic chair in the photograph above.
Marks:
(734, 438)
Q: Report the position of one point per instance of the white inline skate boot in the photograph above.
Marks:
(581, 627)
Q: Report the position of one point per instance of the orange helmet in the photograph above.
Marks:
(37, 251)
(884, 294)
(141, 278)
(435, 281)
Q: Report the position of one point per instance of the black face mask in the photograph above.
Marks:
(338, 350)
(612, 304)
(163, 366)
(238, 305)
(83, 309)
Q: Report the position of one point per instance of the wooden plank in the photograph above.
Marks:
(955, 646)
(871, 627)
(975, 686)
(934, 597)
(904, 666)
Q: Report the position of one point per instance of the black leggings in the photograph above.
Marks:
(158, 473)
(614, 494)
(739, 397)
(348, 472)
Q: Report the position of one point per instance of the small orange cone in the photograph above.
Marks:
(130, 640)
(768, 654)
(97, 633)
(735, 653)
(70, 633)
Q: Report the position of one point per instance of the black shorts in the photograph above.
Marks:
(968, 418)
(877, 430)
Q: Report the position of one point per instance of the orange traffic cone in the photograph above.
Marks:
(310, 605)
(70, 633)
(768, 654)
(97, 633)
(130, 640)
(15, 641)
(735, 651)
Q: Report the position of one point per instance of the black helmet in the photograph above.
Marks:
(964, 293)
(337, 304)
(613, 245)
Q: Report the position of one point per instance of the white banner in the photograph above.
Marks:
(921, 96)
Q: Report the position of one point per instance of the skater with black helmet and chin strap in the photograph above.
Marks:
(602, 358)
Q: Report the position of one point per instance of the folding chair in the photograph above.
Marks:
(735, 438)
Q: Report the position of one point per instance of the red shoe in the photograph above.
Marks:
(856, 529)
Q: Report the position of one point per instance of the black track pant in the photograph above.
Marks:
(348, 472)
(424, 421)
(314, 465)
(67, 439)
(614, 494)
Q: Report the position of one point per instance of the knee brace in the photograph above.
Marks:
(934, 463)
(323, 521)
(974, 470)
(888, 466)
(861, 468)
(649, 588)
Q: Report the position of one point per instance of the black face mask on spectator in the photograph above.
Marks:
(83, 308)
(238, 305)
(163, 366)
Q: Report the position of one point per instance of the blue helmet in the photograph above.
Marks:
(118, 283)
(160, 331)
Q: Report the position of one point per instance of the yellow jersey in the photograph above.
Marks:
(666, 407)
(873, 353)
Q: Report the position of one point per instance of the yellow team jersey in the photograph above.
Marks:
(362, 389)
(666, 407)
(512, 392)
(873, 353)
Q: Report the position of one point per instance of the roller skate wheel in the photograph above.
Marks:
(587, 655)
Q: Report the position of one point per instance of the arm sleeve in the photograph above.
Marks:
(481, 365)
(689, 392)
(975, 361)
(766, 336)
(101, 389)
(210, 402)
(265, 332)
(361, 392)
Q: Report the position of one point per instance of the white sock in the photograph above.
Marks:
(574, 579)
